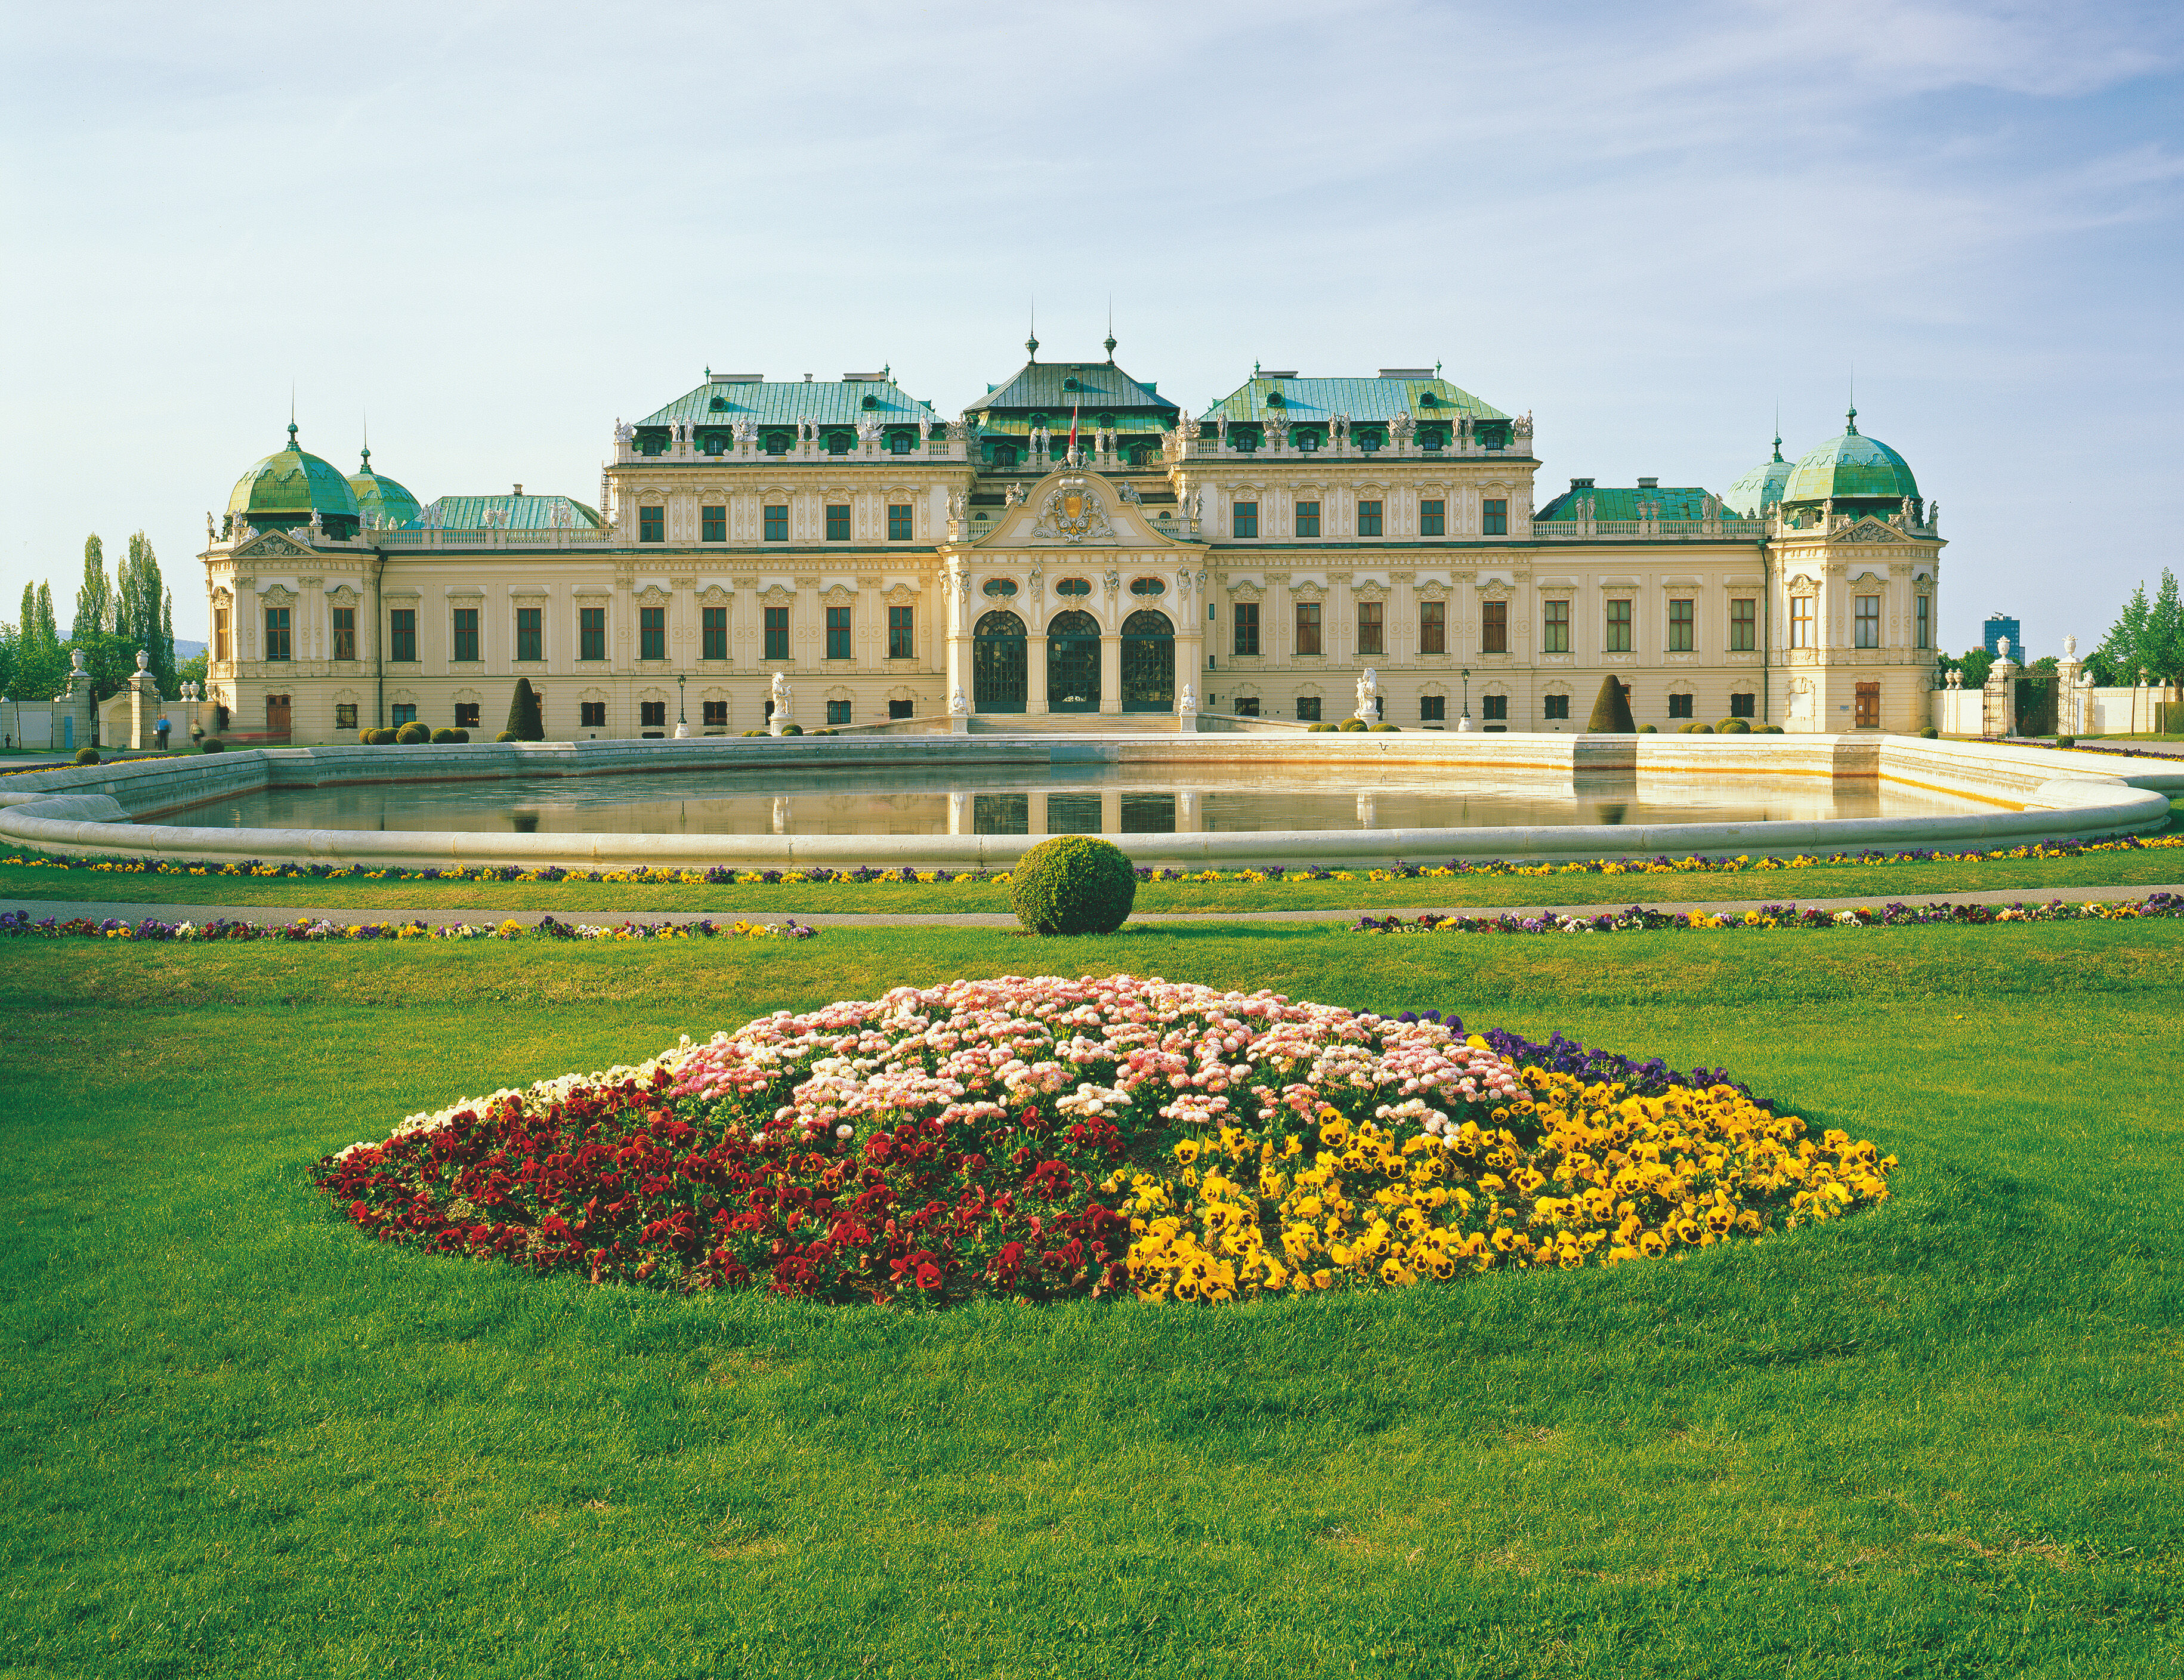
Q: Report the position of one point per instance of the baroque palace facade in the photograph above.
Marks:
(1253, 560)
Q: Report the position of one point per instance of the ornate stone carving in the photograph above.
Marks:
(1073, 513)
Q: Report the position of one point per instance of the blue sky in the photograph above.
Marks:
(497, 228)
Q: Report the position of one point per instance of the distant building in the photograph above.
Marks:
(1997, 626)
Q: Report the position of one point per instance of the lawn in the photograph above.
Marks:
(1876, 882)
(1940, 1438)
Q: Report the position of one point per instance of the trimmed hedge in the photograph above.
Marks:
(1611, 712)
(1320, 728)
(213, 743)
(1352, 726)
(1733, 726)
(450, 737)
(505, 736)
(88, 755)
(526, 719)
(1072, 884)
(413, 733)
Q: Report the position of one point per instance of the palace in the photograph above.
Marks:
(1073, 551)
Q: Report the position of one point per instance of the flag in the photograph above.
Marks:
(1073, 407)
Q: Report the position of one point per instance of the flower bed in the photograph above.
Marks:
(722, 875)
(19, 924)
(1050, 1137)
(1639, 919)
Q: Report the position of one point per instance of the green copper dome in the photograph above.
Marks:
(384, 504)
(285, 490)
(1851, 468)
(1759, 489)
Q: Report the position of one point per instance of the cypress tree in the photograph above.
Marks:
(94, 597)
(1611, 712)
(526, 718)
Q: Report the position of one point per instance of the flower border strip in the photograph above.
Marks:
(1640, 918)
(1697, 863)
(19, 924)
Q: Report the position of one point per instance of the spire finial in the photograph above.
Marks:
(1850, 420)
(1778, 428)
(1111, 329)
(291, 414)
(1031, 344)
(367, 441)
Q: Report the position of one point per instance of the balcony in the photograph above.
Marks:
(1650, 530)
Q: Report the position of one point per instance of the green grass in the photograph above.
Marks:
(1940, 1438)
(1877, 882)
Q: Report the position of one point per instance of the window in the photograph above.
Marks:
(899, 442)
(1308, 519)
(1558, 706)
(652, 714)
(1800, 621)
(1433, 708)
(591, 632)
(777, 632)
(401, 712)
(276, 633)
(837, 523)
(652, 632)
(467, 714)
(1244, 615)
(1743, 626)
(1494, 626)
(591, 714)
(1554, 626)
(1244, 520)
(402, 634)
(1368, 519)
(1680, 706)
(1922, 622)
(344, 716)
(713, 524)
(714, 625)
(1247, 706)
(531, 633)
(837, 711)
(901, 633)
(1494, 517)
(898, 522)
(1619, 627)
(1368, 627)
(900, 708)
(838, 633)
(777, 523)
(1433, 627)
(1744, 705)
(1866, 621)
(1308, 708)
(345, 631)
(1307, 626)
(220, 634)
(651, 525)
(466, 636)
(1681, 626)
(1433, 518)
(1494, 708)
(716, 714)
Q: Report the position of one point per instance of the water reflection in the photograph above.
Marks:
(1144, 798)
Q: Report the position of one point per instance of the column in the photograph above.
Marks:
(1035, 673)
(1111, 674)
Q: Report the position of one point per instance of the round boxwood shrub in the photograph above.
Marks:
(792, 729)
(1352, 726)
(2062, 741)
(1688, 729)
(451, 737)
(213, 743)
(1702, 728)
(1321, 729)
(505, 736)
(382, 738)
(1733, 726)
(88, 756)
(1769, 729)
(413, 733)
(1385, 728)
(1072, 884)
(1930, 734)
(1648, 729)
(748, 734)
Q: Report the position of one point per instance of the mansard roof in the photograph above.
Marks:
(729, 399)
(1054, 388)
(1681, 501)
(507, 513)
(1422, 396)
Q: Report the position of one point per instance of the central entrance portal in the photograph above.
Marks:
(1072, 662)
(1148, 663)
(998, 680)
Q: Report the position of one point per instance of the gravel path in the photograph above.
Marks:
(67, 910)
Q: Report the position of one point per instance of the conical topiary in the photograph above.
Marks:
(526, 721)
(1611, 712)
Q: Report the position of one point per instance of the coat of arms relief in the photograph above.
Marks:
(1073, 513)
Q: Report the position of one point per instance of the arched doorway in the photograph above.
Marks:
(1072, 662)
(1148, 663)
(997, 680)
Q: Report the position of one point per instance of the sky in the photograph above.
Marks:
(491, 231)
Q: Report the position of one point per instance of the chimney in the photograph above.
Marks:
(519, 489)
(1649, 483)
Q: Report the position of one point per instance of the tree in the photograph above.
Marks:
(197, 669)
(1611, 712)
(2162, 651)
(144, 612)
(2124, 647)
(524, 721)
(94, 597)
(1975, 664)
(40, 668)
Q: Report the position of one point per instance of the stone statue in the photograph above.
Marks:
(924, 428)
(210, 539)
(1114, 581)
(624, 434)
(1368, 692)
(1129, 493)
(958, 706)
(746, 430)
(318, 526)
(1190, 701)
(869, 433)
(781, 691)
(1012, 496)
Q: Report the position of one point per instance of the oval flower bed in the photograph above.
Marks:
(1049, 1137)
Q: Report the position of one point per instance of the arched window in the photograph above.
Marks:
(1072, 662)
(1148, 661)
(998, 651)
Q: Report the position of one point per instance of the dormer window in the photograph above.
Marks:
(1039, 419)
(1370, 438)
(899, 442)
(1427, 399)
(1106, 422)
(718, 405)
(1275, 399)
(1071, 384)
(869, 402)
(778, 443)
(840, 442)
